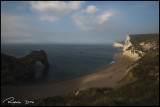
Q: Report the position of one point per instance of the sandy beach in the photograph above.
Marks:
(107, 77)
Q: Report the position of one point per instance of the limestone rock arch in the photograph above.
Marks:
(18, 69)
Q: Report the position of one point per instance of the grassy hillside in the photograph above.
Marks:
(147, 38)
(138, 38)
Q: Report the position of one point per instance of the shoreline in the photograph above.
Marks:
(105, 77)
(95, 71)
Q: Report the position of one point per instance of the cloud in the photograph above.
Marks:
(16, 29)
(12, 24)
(51, 10)
(91, 9)
(56, 7)
(104, 17)
(92, 22)
(11, 20)
(50, 18)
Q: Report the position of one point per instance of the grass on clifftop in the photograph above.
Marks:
(147, 38)
(136, 39)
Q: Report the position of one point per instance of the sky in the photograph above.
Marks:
(76, 22)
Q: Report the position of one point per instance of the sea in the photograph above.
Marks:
(66, 60)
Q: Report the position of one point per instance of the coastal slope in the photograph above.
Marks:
(107, 77)
(140, 87)
(137, 45)
(131, 80)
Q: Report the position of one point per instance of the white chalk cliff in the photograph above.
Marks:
(130, 50)
(116, 44)
(147, 46)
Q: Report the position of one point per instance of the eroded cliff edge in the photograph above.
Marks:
(136, 46)
(139, 47)
(18, 69)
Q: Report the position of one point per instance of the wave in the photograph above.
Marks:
(112, 62)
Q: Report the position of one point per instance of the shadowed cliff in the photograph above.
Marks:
(18, 69)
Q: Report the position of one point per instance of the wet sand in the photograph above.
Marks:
(107, 77)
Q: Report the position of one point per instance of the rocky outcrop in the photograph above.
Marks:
(18, 69)
(130, 50)
(116, 44)
(148, 46)
(135, 48)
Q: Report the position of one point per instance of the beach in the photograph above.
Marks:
(106, 77)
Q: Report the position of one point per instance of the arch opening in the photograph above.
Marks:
(38, 69)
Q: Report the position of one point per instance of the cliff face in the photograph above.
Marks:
(138, 49)
(147, 46)
(136, 46)
(116, 44)
(130, 50)
(18, 69)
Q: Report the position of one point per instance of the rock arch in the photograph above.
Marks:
(18, 69)
(40, 56)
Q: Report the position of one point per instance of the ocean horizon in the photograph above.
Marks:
(66, 60)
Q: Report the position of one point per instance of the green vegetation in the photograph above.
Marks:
(144, 91)
(136, 39)
(147, 38)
